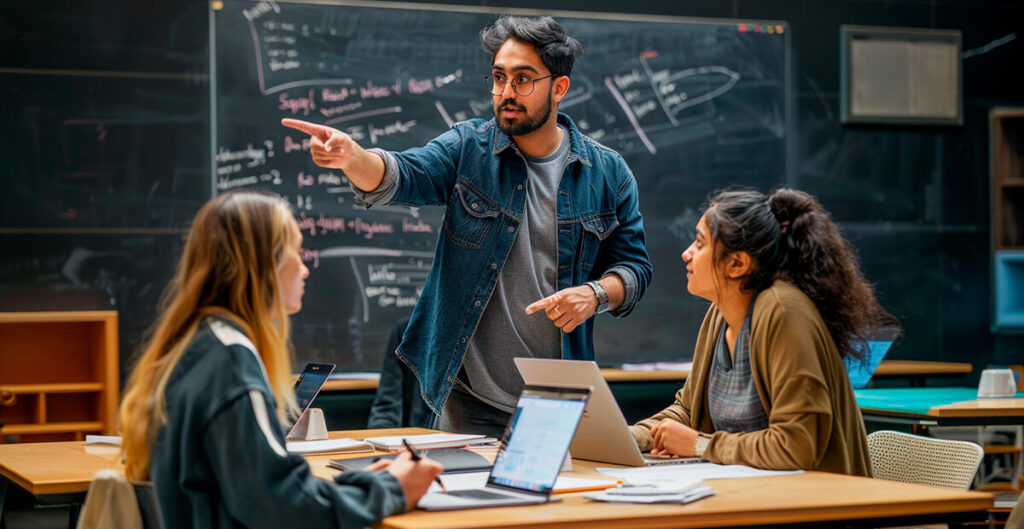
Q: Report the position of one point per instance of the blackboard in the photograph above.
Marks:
(106, 154)
(692, 106)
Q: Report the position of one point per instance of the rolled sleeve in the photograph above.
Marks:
(388, 186)
(628, 278)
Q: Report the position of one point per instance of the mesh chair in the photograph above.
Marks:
(909, 458)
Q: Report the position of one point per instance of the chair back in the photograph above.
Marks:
(898, 456)
(149, 509)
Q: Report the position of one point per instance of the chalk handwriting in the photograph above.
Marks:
(254, 155)
(416, 227)
(297, 105)
(335, 96)
(369, 229)
(334, 110)
(311, 256)
(259, 10)
(290, 144)
(398, 127)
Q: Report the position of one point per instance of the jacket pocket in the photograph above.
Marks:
(594, 231)
(469, 217)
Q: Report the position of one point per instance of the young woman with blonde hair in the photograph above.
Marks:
(768, 387)
(202, 414)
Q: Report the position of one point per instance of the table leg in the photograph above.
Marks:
(3, 495)
(73, 511)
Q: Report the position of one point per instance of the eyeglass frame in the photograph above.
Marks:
(533, 84)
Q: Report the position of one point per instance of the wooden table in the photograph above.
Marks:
(812, 499)
(916, 370)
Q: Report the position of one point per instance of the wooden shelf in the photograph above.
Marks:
(59, 374)
(1006, 166)
(1011, 182)
(73, 387)
(52, 427)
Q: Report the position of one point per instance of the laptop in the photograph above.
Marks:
(531, 454)
(307, 387)
(603, 434)
(860, 372)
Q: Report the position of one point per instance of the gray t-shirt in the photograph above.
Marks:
(529, 274)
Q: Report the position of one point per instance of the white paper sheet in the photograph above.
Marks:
(666, 475)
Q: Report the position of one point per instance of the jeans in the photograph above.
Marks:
(464, 413)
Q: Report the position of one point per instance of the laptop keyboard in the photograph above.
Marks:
(477, 494)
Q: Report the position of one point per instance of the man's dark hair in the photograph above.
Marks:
(558, 50)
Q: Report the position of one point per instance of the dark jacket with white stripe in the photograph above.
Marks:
(220, 460)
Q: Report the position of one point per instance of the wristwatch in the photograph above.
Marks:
(700, 444)
(602, 296)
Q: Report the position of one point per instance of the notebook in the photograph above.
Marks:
(307, 386)
(603, 434)
(531, 455)
(454, 460)
(860, 372)
(427, 441)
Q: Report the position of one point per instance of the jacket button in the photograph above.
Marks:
(599, 228)
(463, 340)
(476, 303)
(473, 205)
(519, 187)
(449, 379)
(494, 266)
(511, 229)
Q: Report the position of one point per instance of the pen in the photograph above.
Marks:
(416, 457)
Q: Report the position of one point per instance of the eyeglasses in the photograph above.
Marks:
(522, 84)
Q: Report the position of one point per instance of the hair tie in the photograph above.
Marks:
(784, 226)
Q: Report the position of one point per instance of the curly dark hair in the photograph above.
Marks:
(557, 50)
(789, 232)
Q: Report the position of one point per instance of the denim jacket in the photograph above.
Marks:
(478, 174)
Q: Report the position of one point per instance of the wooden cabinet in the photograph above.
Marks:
(58, 375)
(1007, 167)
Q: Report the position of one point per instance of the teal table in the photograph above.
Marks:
(939, 407)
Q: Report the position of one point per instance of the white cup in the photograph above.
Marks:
(997, 383)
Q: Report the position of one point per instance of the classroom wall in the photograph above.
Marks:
(102, 229)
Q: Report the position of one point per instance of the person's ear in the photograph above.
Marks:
(561, 87)
(738, 264)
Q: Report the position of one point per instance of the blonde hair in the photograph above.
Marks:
(229, 268)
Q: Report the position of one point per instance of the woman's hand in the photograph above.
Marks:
(673, 438)
(414, 476)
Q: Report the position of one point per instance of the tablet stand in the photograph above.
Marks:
(311, 426)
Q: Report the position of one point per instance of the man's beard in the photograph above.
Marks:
(524, 124)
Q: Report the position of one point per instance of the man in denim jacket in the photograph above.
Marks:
(538, 217)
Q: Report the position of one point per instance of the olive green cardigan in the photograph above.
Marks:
(813, 419)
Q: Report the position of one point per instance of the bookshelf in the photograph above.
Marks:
(1006, 137)
(58, 375)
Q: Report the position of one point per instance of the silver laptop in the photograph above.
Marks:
(530, 456)
(603, 434)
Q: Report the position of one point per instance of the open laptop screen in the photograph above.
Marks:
(860, 372)
(541, 429)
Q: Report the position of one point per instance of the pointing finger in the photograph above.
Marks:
(545, 303)
(313, 129)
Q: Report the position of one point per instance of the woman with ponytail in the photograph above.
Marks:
(768, 387)
(202, 413)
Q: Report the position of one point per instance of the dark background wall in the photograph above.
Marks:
(105, 140)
